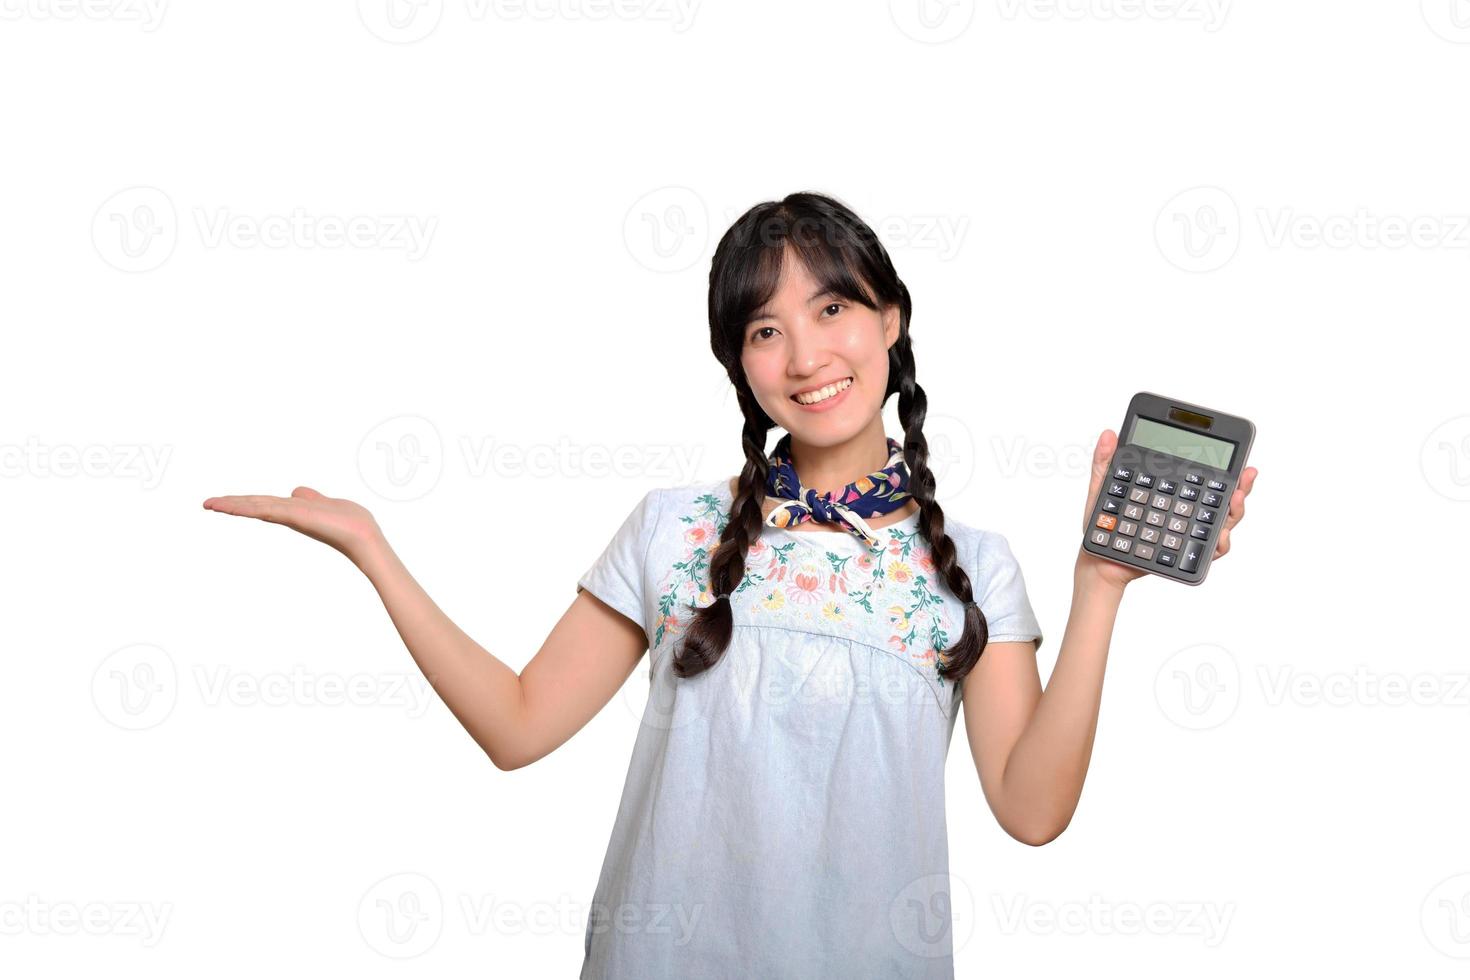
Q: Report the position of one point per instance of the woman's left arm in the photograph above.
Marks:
(1032, 747)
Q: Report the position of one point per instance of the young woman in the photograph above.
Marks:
(813, 626)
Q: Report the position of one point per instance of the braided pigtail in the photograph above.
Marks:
(709, 632)
(913, 406)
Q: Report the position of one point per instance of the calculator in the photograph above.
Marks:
(1167, 491)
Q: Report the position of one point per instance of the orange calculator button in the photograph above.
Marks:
(1107, 521)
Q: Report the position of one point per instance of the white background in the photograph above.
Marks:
(1260, 208)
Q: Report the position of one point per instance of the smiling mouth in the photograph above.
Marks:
(822, 394)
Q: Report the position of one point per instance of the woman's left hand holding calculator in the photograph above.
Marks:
(1115, 574)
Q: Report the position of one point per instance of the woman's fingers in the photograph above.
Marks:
(1237, 499)
(1237, 509)
(280, 510)
(1101, 454)
(260, 506)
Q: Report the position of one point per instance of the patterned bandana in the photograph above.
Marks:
(879, 492)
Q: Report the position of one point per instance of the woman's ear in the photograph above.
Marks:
(890, 324)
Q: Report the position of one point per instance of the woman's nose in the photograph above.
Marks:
(807, 351)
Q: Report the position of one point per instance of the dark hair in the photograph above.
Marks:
(843, 254)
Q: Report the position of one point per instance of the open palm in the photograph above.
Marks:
(344, 525)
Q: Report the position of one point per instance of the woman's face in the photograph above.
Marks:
(803, 340)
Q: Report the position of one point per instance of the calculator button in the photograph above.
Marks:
(1100, 537)
(1149, 534)
(1109, 505)
(1192, 556)
(1178, 525)
(1204, 516)
(1122, 544)
(1156, 518)
(1214, 484)
(1192, 478)
(1138, 495)
(1210, 499)
(1188, 493)
(1183, 508)
(1127, 527)
(1160, 502)
(1117, 489)
(1165, 485)
(1107, 521)
(1172, 541)
(1167, 558)
(1124, 473)
(1144, 480)
(1144, 551)
(1133, 512)
(1199, 531)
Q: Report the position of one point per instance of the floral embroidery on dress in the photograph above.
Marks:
(886, 594)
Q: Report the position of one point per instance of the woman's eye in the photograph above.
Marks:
(759, 331)
(832, 306)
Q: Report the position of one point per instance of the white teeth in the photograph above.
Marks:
(822, 394)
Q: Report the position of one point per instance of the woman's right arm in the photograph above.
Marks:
(515, 719)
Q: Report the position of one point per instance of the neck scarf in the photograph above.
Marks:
(880, 492)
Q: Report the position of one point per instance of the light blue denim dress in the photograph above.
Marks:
(783, 814)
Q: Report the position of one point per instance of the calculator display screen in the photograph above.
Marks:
(1183, 443)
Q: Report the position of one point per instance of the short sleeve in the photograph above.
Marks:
(1001, 592)
(617, 576)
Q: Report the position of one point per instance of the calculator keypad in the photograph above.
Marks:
(1161, 520)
